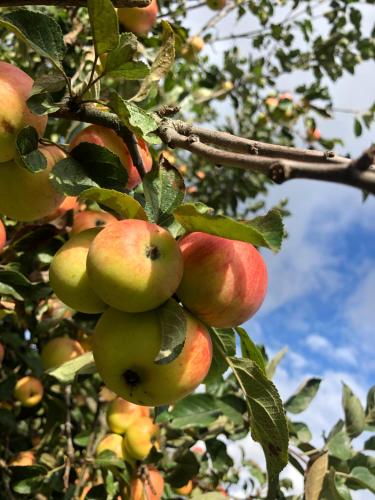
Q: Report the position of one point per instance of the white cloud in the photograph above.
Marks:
(317, 343)
(360, 308)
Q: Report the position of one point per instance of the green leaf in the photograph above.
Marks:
(339, 443)
(220, 459)
(249, 350)
(370, 406)
(28, 155)
(121, 203)
(370, 443)
(336, 491)
(139, 121)
(38, 31)
(225, 339)
(364, 477)
(187, 467)
(299, 432)
(67, 372)
(47, 90)
(303, 397)
(127, 48)
(173, 324)
(108, 458)
(161, 66)
(264, 231)
(196, 410)
(132, 70)
(357, 127)
(272, 365)
(164, 190)
(267, 417)
(14, 284)
(69, 177)
(314, 476)
(104, 25)
(354, 412)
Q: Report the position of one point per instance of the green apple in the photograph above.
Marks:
(122, 414)
(68, 276)
(29, 391)
(125, 346)
(134, 265)
(139, 438)
(59, 350)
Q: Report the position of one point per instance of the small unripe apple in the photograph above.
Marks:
(193, 46)
(216, 4)
(149, 488)
(185, 490)
(59, 350)
(89, 219)
(121, 414)
(134, 265)
(313, 134)
(139, 438)
(224, 281)
(272, 102)
(125, 346)
(111, 442)
(2, 353)
(139, 20)
(3, 235)
(70, 203)
(23, 459)
(108, 138)
(68, 276)
(25, 196)
(15, 89)
(29, 391)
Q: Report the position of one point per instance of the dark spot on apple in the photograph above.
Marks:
(131, 378)
(152, 252)
(8, 127)
(99, 222)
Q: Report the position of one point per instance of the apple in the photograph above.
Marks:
(216, 4)
(122, 414)
(125, 346)
(59, 350)
(29, 391)
(70, 203)
(185, 490)
(224, 281)
(138, 20)
(149, 488)
(272, 102)
(68, 276)
(313, 134)
(3, 235)
(15, 89)
(2, 353)
(23, 459)
(139, 438)
(111, 442)
(134, 265)
(89, 219)
(108, 138)
(25, 196)
(193, 46)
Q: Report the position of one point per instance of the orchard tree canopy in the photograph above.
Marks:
(134, 172)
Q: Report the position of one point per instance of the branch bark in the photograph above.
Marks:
(71, 3)
(279, 163)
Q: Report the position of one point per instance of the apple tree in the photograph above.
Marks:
(134, 173)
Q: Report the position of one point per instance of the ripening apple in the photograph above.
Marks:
(25, 196)
(224, 281)
(193, 46)
(29, 391)
(138, 20)
(134, 265)
(216, 4)
(108, 138)
(139, 438)
(313, 134)
(70, 203)
(68, 276)
(15, 89)
(89, 219)
(125, 346)
(59, 350)
(121, 414)
(185, 490)
(141, 489)
(23, 459)
(111, 442)
(3, 235)
(2, 353)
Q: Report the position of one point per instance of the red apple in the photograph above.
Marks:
(121, 414)
(149, 488)
(2, 353)
(224, 281)
(139, 20)
(89, 219)
(3, 236)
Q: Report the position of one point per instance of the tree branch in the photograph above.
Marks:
(72, 3)
(279, 163)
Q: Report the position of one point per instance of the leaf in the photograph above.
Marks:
(314, 476)
(272, 365)
(364, 477)
(164, 190)
(220, 339)
(162, 64)
(47, 90)
(249, 350)
(127, 48)
(264, 231)
(303, 397)
(28, 155)
(339, 443)
(267, 417)
(370, 406)
(104, 25)
(14, 284)
(132, 70)
(139, 121)
(357, 127)
(38, 31)
(108, 458)
(299, 432)
(121, 203)
(196, 410)
(187, 467)
(354, 412)
(69, 177)
(370, 443)
(337, 491)
(173, 324)
(67, 372)
(220, 459)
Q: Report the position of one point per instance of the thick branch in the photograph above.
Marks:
(72, 3)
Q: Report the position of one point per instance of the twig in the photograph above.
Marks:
(69, 459)
(72, 3)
